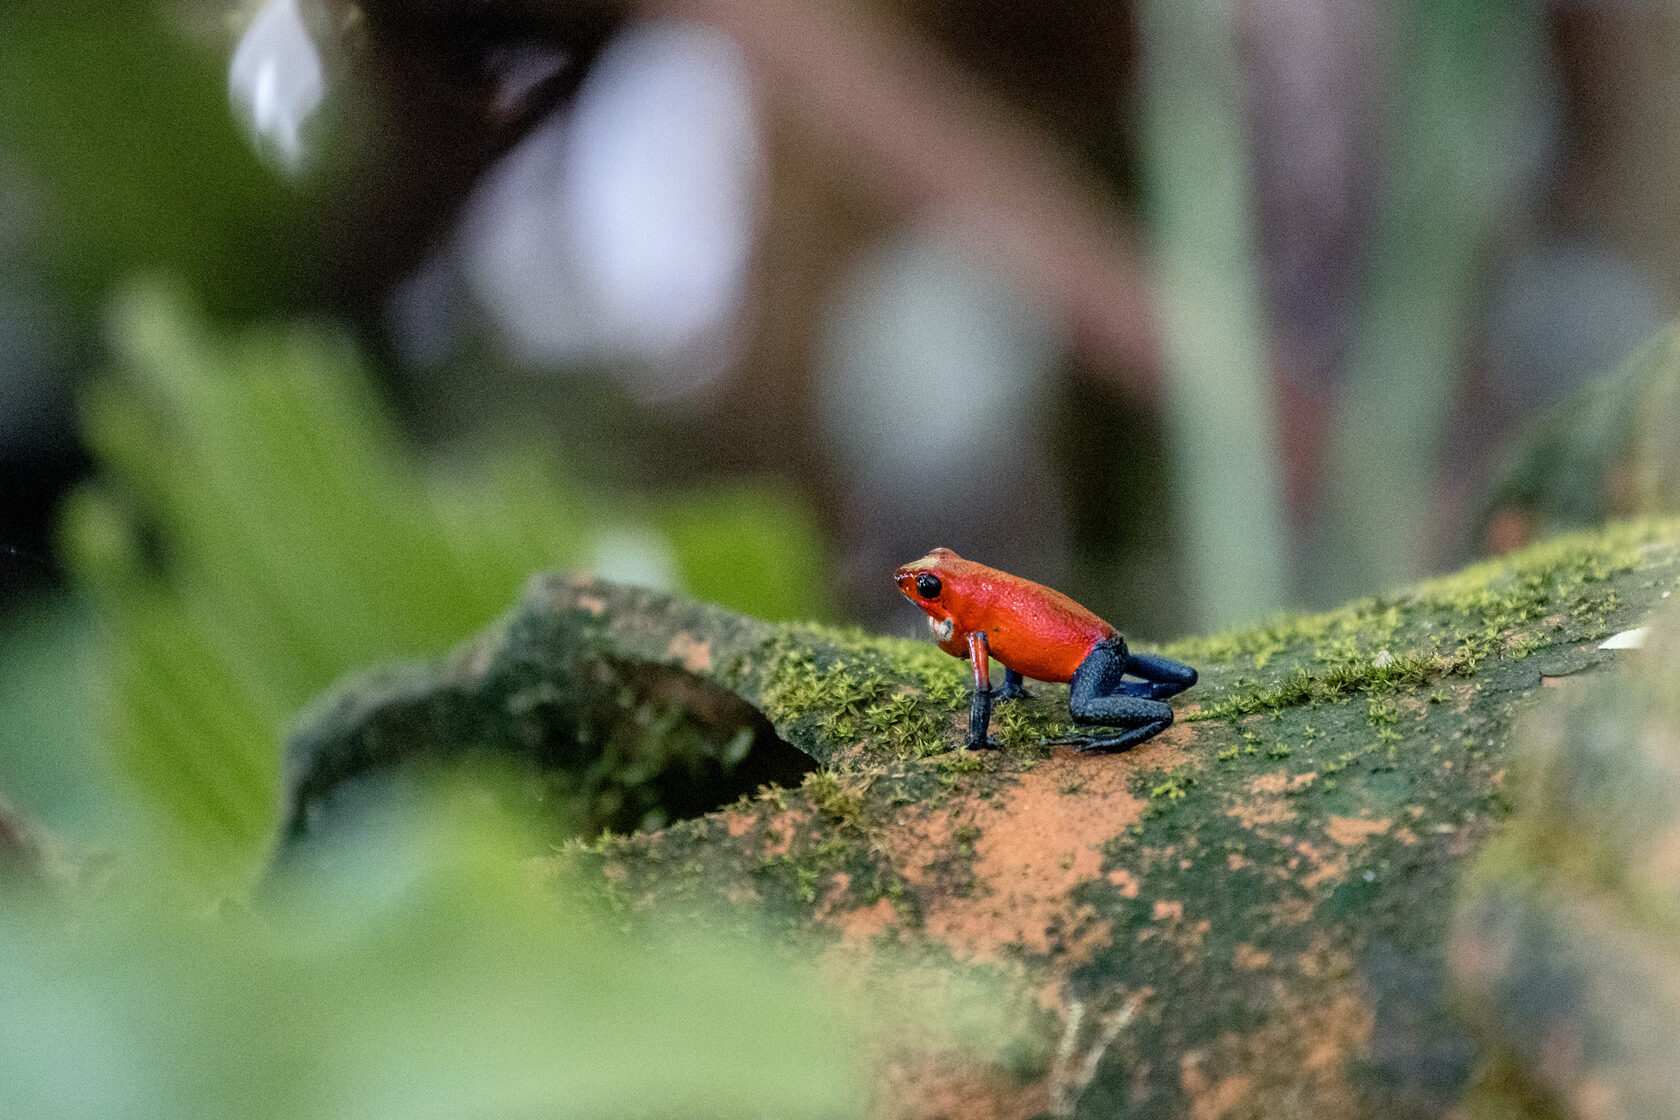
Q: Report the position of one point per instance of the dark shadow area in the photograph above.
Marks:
(632, 746)
(672, 746)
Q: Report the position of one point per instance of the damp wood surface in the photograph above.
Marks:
(1246, 916)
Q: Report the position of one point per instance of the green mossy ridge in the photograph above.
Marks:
(1445, 627)
(787, 864)
(896, 699)
(895, 709)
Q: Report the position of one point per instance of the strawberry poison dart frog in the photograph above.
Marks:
(980, 613)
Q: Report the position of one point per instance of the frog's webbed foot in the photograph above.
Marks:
(1012, 688)
(1111, 744)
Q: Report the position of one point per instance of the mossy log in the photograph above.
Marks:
(1246, 916)
(1567, 945)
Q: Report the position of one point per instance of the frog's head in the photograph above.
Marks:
(924, 581)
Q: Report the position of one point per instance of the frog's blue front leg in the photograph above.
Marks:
(980, 703)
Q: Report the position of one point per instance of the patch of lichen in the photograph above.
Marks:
(790, 851)
(827, 863)
(821, 848)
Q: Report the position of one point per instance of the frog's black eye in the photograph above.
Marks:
(928, 586)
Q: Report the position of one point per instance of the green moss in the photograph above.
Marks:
(1163, 789)
(1381, 710)
(1512, 608)
(896, 698)
(1496, 594)
(1332, 683)
(1024, 727)
(1174, 787)
(961, 761)
(841, 799)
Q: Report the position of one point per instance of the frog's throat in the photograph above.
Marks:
(942, 628)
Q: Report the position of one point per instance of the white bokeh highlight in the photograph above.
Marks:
(621, 229)
(933, 367)
(635, 554)
(276, 84)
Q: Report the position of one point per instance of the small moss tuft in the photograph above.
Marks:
(841, 800)
(961, 761)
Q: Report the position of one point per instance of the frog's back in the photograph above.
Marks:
(1032, 629)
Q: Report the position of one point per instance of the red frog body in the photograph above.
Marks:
(979, 613)
(1032, 629)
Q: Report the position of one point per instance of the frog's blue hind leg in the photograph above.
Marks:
(1100, 694)
(1012, 689)
(1162, 676)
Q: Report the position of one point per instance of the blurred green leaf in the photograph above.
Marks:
(753, 550)
(263, 530)
(122, 127)
(49, 756)
(415, 969)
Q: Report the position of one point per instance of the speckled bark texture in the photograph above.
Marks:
(1247, 916)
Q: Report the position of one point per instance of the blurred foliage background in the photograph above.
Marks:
(324, 323)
